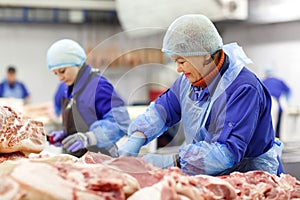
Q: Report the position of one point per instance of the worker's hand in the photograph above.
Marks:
(106, 132)
(56, 137)
(161, 160)
(79, 141)
(132, 146)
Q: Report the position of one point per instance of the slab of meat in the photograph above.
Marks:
(163, 190)
(262, 185)
(153, 180)
(70, 181)
(146, 174)
(52, 159)
(111, 180)
(10, 189)
(93, 158)
(176, 185)
(20, 134)
(291, 184)
(11, 156)
(218, 188)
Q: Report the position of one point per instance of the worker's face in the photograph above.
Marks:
(67, 74)
(193, 67)
(11, 77)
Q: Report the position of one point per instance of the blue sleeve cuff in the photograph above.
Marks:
(150, 123)
(205, 158)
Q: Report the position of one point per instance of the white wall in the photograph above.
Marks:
(275, 45)
(25, 45)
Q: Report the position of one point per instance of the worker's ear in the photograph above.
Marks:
(207, 59)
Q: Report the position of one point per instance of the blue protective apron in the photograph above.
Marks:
(73, 123)
(195, 117)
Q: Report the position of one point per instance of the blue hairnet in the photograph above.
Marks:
(64, 53)
(192, 35)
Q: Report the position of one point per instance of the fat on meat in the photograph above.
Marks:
(163, 190)
(12, 156)
(259, 185)
(52, 159)
(94, 158)
(218, 188)
(146, 174)
(20, 134)
(41, 180)
(10, 189)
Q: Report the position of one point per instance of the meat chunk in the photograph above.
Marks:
(146, 174)
(257, 185)
(93, 158)
(41, 180)
(10, 189)
(20, 134)
(11, 156)
(163, 190)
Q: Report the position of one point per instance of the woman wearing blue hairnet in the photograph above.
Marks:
(94, 116)
(225, 109)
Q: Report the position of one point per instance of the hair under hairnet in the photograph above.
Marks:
(65, 53)
(192, 35)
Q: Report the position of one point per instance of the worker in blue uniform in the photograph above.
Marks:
(225, 109)
(94, 115)
(12, 88)
(278, 89)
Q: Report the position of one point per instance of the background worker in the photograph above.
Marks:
(94, 116)
(12, 88)
(278, 89)
(225, 109)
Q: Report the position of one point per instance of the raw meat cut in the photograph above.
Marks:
(97, 176)
(262, 185)
(10, 189)
(290, 184)
(93, 158)
(20, 134)
(163, 190)
(41, 180)
(52, 159)
(11, 156)
(145, 173)
(153, 180)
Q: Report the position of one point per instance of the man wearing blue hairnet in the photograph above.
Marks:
(225, 109)
(94, 116)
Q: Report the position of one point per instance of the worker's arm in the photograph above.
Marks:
(113, 117)
(161, 114)
(112, 123)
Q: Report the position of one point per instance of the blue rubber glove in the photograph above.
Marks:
(132, 146)
(57, 137)
(79, 141)
(161, 160)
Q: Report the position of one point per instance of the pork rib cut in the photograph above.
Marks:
(20, 134)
